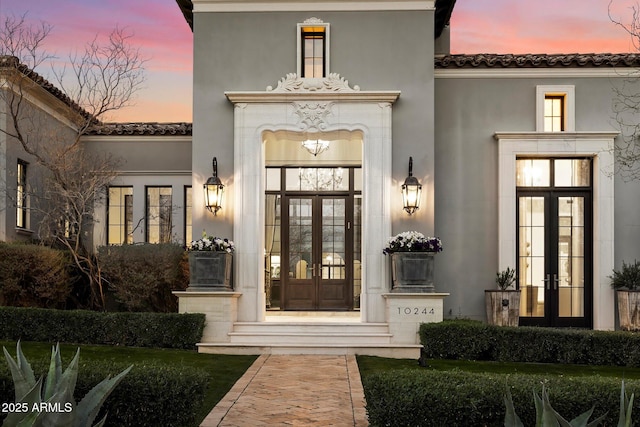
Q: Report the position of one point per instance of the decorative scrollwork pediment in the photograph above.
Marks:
(333, 83)
(312, 115)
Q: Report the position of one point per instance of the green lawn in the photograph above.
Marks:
(225, 370)
(370, 364)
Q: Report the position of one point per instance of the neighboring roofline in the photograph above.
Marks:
(186, 7)
(444, 8)
(142, 128)
(571, 60)
(13, 63)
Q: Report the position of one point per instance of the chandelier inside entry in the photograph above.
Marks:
(315, 146)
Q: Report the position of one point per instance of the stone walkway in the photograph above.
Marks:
(294, 390)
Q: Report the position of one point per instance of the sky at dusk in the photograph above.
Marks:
(163, 36)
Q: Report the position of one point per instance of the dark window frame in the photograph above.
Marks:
(21, 194)
(166, 239)
(306, 35)
(127, 233)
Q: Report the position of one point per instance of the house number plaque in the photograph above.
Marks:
(416, 311)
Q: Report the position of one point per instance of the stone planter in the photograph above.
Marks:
(210, 271)
(412, 272)
(503, 307)
(629, 310)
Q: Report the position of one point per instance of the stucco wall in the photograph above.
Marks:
(468, 113)
(250, 51)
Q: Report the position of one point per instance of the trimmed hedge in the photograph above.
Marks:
(455, 398)
(149, 395)
(156, 330)
(473, 340)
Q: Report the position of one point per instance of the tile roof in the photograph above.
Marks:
(12, 62)
(142, 128)
(538, 60)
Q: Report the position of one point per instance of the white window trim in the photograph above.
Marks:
(597, 145)
(316, 23)
(569, 93)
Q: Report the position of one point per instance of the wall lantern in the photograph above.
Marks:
(213, 190)
(411, 191)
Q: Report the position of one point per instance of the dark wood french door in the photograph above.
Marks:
(317, 259)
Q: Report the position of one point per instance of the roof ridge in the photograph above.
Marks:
(535, 60)
(142, 128)
(8, 61)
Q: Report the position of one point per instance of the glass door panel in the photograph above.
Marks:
(571, 253)
(299, 263)
(531, 260)
(332, 287)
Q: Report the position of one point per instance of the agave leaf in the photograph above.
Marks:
(623, 407)
(538, 402)
(511, 419)
(21, 372)
(53, 376)
(30, 419)
(88, 408)
(626, 407)
(582, 420)
(70, 377)
(101, 422)
(597, 421)
(550, 418)
(31, 397)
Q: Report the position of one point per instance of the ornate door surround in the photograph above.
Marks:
(313, 105)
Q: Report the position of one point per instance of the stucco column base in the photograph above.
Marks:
(220, 309)
(405, 313)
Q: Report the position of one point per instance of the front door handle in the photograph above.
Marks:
(555, 282)
(547, 282)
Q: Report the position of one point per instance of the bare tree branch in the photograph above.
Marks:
(72, 183)
(626, 103)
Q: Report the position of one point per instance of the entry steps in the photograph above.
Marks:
(312, 333)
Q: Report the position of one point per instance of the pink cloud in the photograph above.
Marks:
(544, 26)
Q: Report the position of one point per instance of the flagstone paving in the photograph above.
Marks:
(294, 390)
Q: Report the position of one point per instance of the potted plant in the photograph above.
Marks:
(412, 261)
(210, 264)
(503, 304)
(626, 282)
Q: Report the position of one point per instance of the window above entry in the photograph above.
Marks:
(555, 108)
(313, 48)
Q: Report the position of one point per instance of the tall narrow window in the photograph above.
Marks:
(188, 224)
(554, 116)
(555, 108)
(159, 212)
(313, 52)
(21, 195)
(120, 216)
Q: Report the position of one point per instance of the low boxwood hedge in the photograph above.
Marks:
(472, 340)
(149, 395)
(456, 398)
(156, 330)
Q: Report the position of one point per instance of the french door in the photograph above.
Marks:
(555, 245)
(316, 258)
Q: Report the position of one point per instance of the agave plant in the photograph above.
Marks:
(546, 416)
(50, 402)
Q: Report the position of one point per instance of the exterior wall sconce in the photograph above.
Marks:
(411, 191)
(213, 190)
